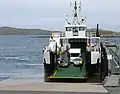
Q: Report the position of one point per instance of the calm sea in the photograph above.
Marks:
(21, 57)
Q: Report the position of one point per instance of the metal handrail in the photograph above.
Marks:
(115, 58)
(115, 55)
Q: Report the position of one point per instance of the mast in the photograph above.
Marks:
(76, 10)
(75, 15)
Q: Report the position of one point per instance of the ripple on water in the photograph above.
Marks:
(21, 57)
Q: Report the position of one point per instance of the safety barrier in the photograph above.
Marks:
(115, 62)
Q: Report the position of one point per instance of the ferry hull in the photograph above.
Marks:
(75, 53)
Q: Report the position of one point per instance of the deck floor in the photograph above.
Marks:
(71, 72)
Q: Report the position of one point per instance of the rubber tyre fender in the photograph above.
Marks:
(105, 66)
(46, 79)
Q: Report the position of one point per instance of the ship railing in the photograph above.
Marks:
(114, 55)
(115, 62)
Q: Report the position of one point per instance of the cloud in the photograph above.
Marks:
(50, 14)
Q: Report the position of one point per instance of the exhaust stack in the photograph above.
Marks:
(97, 32)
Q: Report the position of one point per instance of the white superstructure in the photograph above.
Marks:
(75, 39)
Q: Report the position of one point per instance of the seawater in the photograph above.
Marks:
(21, 57)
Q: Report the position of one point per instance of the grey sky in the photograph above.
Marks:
(50, 14)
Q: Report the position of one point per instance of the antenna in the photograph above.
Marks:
(70, 3)
(80, 6)
(71, 6)
(79, 10)
(66, 18)
(76, 12)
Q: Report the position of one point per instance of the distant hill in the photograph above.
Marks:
(105, 32)
(19, 31)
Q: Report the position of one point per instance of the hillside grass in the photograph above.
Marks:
(19, 31)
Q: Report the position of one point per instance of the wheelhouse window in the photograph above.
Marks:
(81, 28)
(68, 29)
(75, 31)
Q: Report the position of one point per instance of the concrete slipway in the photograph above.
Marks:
(35, 87)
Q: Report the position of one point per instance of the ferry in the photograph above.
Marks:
(74, 53)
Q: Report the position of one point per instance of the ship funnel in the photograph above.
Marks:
(97, 32)
(97, 27)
